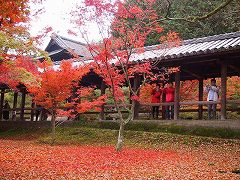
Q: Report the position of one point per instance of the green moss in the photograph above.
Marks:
(136, 134)
(174, 129)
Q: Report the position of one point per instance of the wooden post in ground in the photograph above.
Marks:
(223, 90)
(177, 95)
(33, 111)
(14, 112)
(22, 105)
(136, 85)
(200, 98)
(1, 104)
(103, 90)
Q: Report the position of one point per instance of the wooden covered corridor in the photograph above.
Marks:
(198, 59)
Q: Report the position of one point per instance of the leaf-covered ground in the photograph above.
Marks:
(26, 159)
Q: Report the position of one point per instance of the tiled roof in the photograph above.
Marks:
(188, 48)
(192, 47)
(79, 48)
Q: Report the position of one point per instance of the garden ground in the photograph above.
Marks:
(88, 153)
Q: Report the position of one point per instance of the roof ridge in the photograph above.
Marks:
(212, 38)
(199, 40)
(68, 39)
(58, 38)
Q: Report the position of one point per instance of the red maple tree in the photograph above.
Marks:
(124, 28)
(16, 44)
(54, 86)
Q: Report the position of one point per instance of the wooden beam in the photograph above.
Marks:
(223, 90)
(136, 85)
(1, 104)
(22, 106)
(14, 112)
(177, 96)
(234, 68)
(200, 98)
(192, 73)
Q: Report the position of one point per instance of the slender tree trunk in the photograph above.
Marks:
(53, 122)
(120, 140)
(120, 136)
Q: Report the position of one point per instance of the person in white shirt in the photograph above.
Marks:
(213, 91)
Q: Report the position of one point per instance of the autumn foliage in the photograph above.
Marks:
(123, 28)
(28, 160)
(13, 12)
(55, 85)
(16, 45)
(18, 70)
(189, 89)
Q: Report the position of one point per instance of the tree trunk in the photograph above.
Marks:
(121, 128)
(53, 122)
(120, 136)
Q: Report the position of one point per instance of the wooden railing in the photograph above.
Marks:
(190, 103)
(110, 109)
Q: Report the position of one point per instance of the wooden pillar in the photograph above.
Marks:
(22, 105)
(14, 112)
(200, 98)
(103, 90)
(136, 85)
(1, 104)
(33, 112)
(177, 95)
(223, 90)
(163, 107)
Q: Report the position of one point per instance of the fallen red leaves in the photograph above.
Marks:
(28, 160)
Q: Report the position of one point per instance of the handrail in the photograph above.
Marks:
(234, 101)
(143, 104)
(189, 103)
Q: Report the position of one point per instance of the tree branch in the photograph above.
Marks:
(194, 19)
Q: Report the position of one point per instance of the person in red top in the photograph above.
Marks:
(169, 92)
(156, 96)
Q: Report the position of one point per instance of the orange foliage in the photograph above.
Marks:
(21, 70)
(14, 12)
(233, 87)
(189, 89)
(15, 67)
(145, 93)
(88, 101)
(53, 87)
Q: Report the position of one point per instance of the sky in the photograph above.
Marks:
(56, 14)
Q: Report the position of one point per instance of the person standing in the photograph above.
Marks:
(169, 92)
(212, 91)
(156, 95)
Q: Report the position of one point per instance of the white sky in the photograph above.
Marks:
(57, 15)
